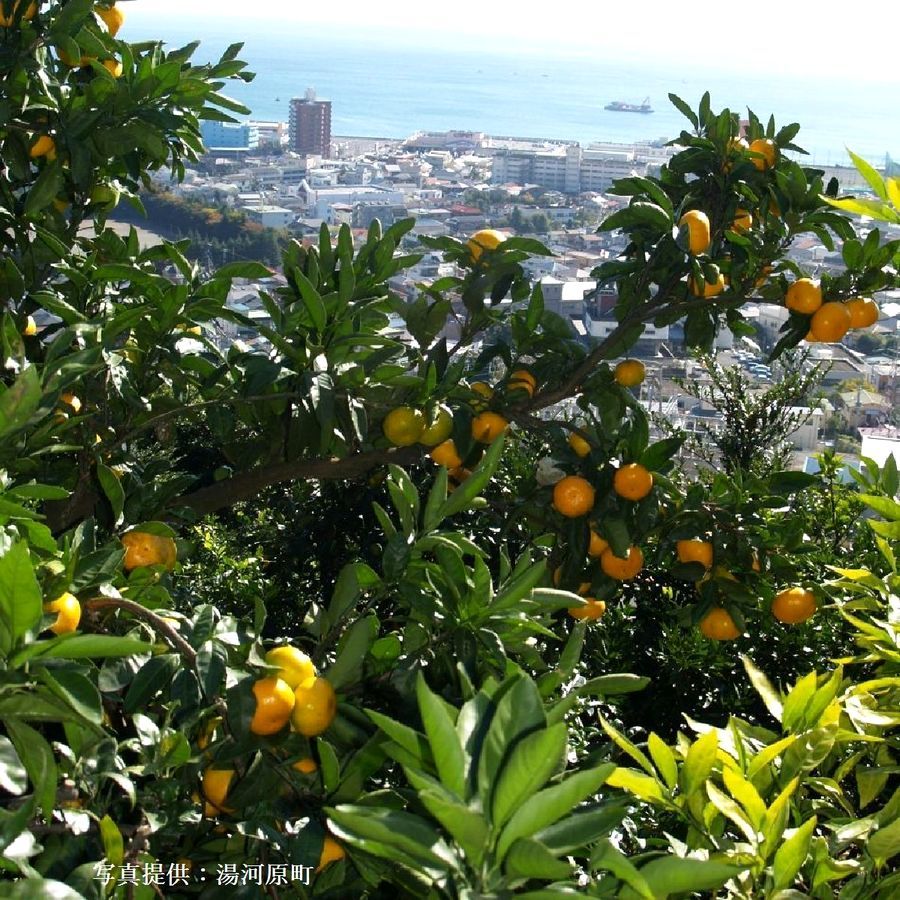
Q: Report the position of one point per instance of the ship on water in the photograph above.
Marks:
(621, 106)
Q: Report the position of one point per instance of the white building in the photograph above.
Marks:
(269, 216)
(319, 200)
(880, 443)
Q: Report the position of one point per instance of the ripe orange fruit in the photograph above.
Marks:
(597, 545)
(863, 312)
(629, 373)
(486, 239)
(579, 444)
(112, 16)
(446, 454)
(403, 426)
(307, 766)
(439, 429)
(114, 67)
(593, 609)
(43, 146)
(144, 549)
(30, 329)
(332, 851)
(769, 153)
(697, 224)
(457, 476)
(314, 707)
(633, 482)
(830, 322)
(7, 20)
(483, 390)
(622, 569)
(803, 296)
(522, 380)
(793, 605)
(705, 288)
(215, 785)
(573, 496)
(274, 703)
(695, 550)
(293, 665)
(718, 625)
(73, 401)
(487, 426)
(743, 220)
(68, 611)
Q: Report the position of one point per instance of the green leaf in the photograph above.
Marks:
(684, 109)
(644, 787)
(19, 401)
(42, 193)
(405, 737)
(75, 689)
(624, 744)
(518, 588)
(353, 580)
(876, 182)
(528, 858)
(551, 804)
(312, 300)
(353, 648)
(446, 748)
(463, 496)
(37, 756)
(331, 767)
(150, 679)
(82, 646)
(113, 844)
(21, 603)
(530, 764)
(791, 855)
(885, 843)
(664, 759)
(793, 718)
(13, 777)
(114, 491)
(746, 794)
(607, 858)
(698, 763)
(884, 506)
(764, 688)
(672, 875)
(467, 827)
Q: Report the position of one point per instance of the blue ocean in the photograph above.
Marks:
(393, 86)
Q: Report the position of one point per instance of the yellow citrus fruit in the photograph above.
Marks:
(114, 67)
(707, 289)
(112, 16)
(863, 312)
(597, 545)
(7, 20)
(630, 373)
(573, 496)
(403, 426)
(72, 400)
(332, 851)
(622, 569)
(484, 391)
(293, 665)
(592, 610)
(486, 239)
(794, 605)
(215, 785)
(522, 380)
(144, 549)
(438, 429)
(446, 454)
(697, 224)
(579, 444)
(803, 296)
(306, 766)
(695, 550)
(768, 153)
(314, 708)
(633, 482)
(583, 587)
(487, 426)
(274, 703)
(743, 220)
(30, 329)
(718, 625)
(68, 611)
(736, 146)
(43, 146)
(830, 322)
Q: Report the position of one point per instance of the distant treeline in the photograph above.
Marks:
(217, 234)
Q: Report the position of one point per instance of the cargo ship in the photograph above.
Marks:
(620, 106)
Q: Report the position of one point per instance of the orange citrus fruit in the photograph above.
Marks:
(332, 851)
(438, 429)
(145, 549)
(597, 544)
(593, 609)
(622, 569)
(487, 426)
(579, 444)
(486, 239)
(718, 625)
(573, 496)
(697, 224)
(293, 665)
(695, 550)
(403, 426)
(446, 454)
(43, 146)
(803, 296)
(29, 13)
(629, 373)
(707, 289)
(743, 220)
(68, 611)
(215, 785)
(793, 605)
(768, 153)
(522, 380)
(112, 16)
(314, 708)
(830, 322)
(274, 703)
(307, 766)
(484, 391)
(114, 67)
(73, 401)
(633, 482)
(863, 312)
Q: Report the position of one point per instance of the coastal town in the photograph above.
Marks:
(292, 177)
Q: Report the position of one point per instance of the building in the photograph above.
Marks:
(309, 125)
(219, 136)
(880, 443)
(269, 216)
(271, 134)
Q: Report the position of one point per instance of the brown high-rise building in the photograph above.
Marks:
(310, 125)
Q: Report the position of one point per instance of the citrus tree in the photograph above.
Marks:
(424, 722)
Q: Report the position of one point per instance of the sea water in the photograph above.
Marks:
(391, 86)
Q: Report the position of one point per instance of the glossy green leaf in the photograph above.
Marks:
(699, 762)
(791, 855)
(449, 757)
(37, 757)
